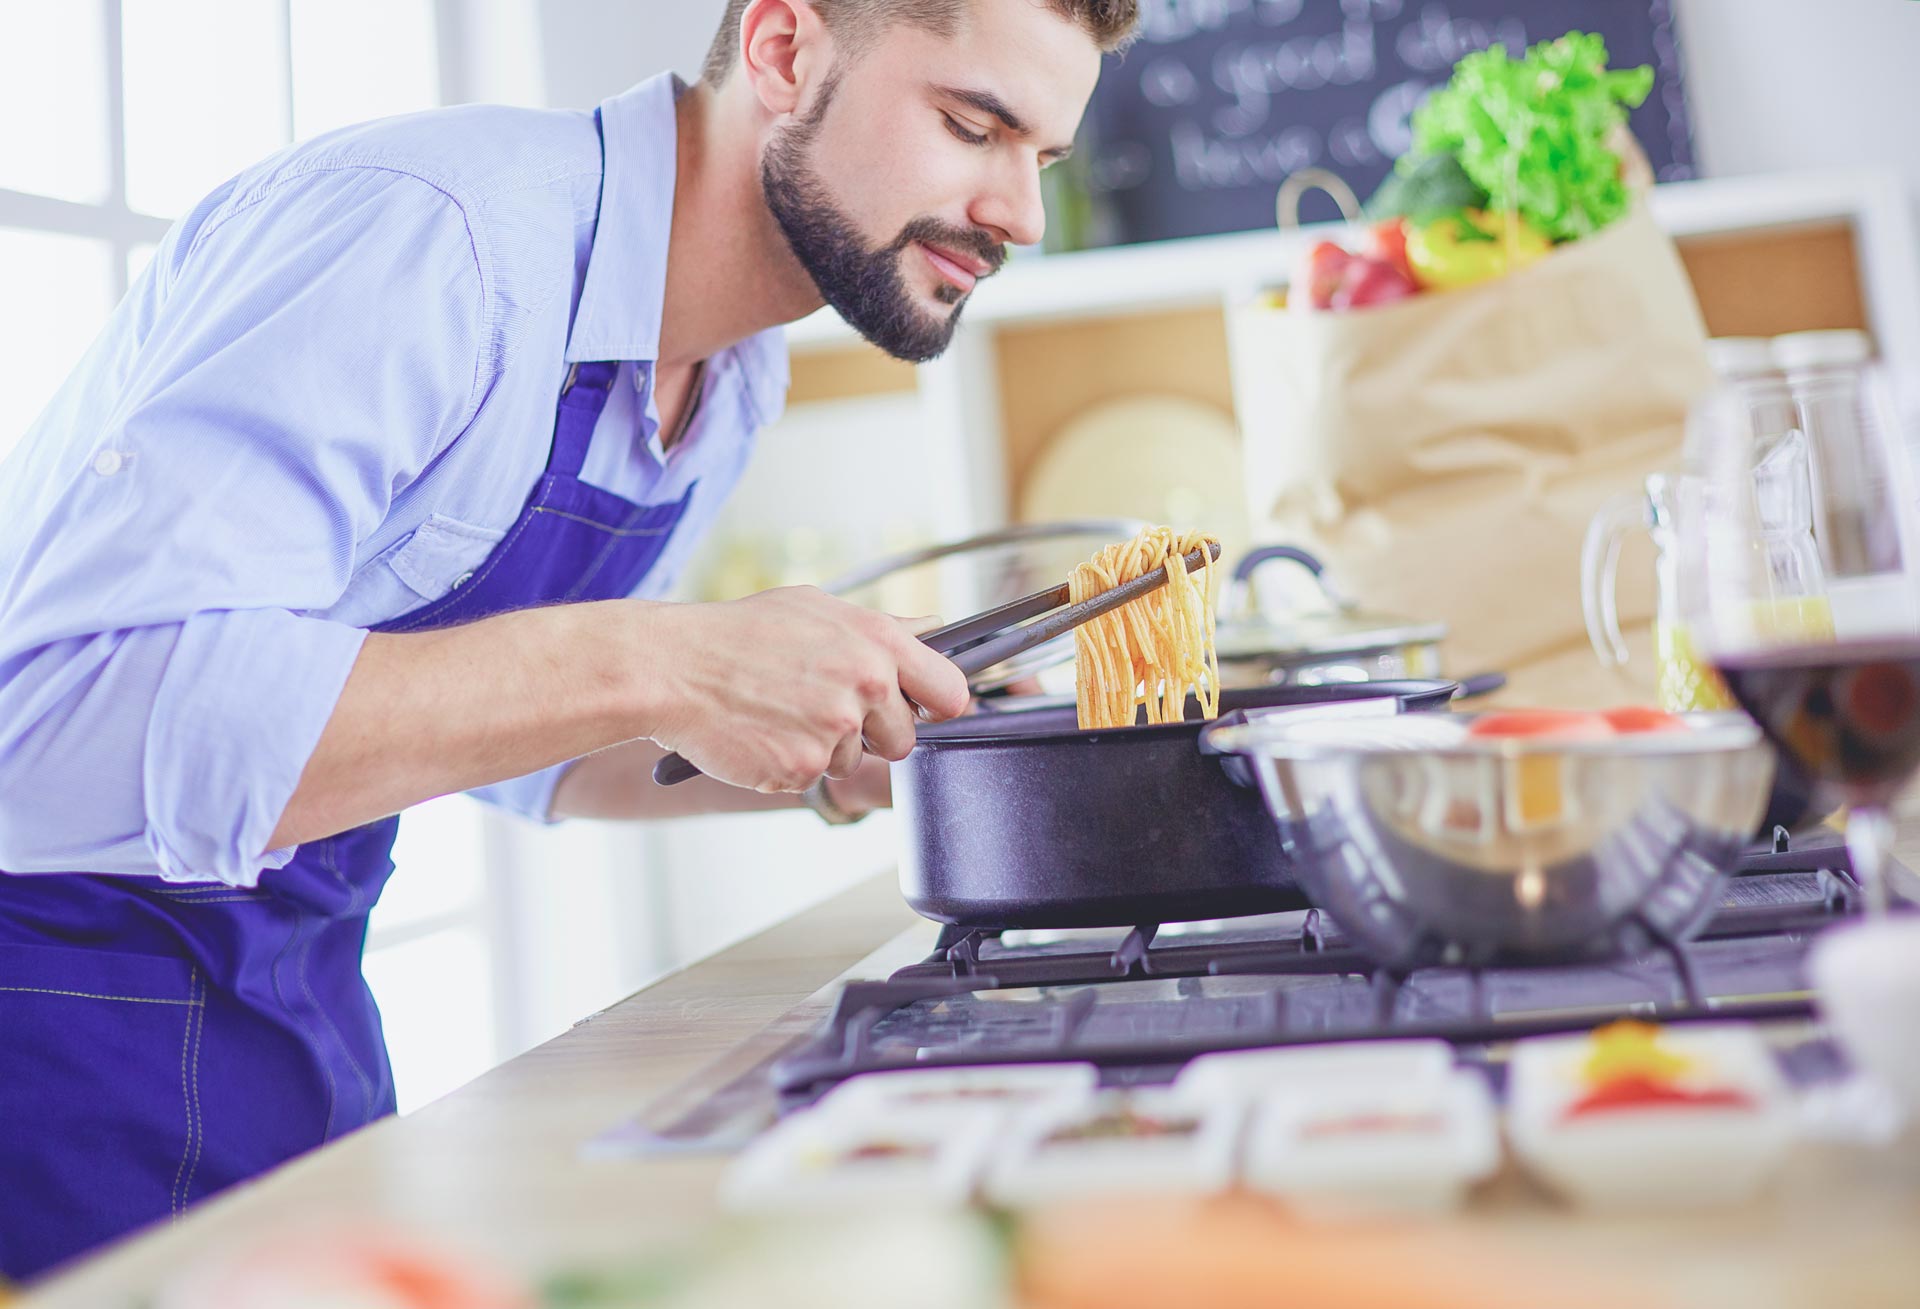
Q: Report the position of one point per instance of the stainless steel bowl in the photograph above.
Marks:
(1429, 847)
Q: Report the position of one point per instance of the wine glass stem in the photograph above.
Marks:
(1869, 835)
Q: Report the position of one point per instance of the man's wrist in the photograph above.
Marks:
(634, 670)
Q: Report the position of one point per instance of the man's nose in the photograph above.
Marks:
(1012, 208)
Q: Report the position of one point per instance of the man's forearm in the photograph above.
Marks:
(426, 714)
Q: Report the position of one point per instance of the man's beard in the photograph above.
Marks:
(863, 284)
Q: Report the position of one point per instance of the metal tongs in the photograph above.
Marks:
(978, 643)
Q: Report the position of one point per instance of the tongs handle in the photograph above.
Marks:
(978, 658)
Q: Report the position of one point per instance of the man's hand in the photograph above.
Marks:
(774, 690)
(767, 692)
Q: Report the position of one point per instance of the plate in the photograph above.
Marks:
(1162, 458)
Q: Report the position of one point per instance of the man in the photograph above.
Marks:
(363, 497)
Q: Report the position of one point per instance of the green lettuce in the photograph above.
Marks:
(1533, 132)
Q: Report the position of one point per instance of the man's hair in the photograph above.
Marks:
(1110, 23)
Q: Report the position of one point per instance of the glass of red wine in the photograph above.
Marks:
(1811, 608)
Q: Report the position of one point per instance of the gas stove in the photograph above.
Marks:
(1140, 1002)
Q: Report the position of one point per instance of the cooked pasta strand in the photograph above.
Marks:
(1153, 651)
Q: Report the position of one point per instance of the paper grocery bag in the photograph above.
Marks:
(1444, 454)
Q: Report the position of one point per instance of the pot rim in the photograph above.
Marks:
(1708, 733)
(947, 734)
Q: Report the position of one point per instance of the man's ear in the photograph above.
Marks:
(784, 50)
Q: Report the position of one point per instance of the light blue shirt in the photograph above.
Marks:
(321, 406)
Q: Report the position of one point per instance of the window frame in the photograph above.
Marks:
(113, 221)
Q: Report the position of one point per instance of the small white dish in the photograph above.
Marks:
(1717, 1148)
(1008, 1088)
(1157, 1141)
(813, 1161)
(1409, 1148)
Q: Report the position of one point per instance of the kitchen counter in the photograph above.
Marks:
(496, 1166)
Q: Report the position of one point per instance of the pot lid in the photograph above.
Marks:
(1319, 635)
(1334, 627)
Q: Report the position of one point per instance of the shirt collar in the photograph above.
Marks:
(622, 297)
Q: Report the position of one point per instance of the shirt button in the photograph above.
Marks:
(108, 462)
(464, 578)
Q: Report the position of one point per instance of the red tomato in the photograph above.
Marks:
(1564, 724)
(1629, 719)
(1325, 268)
(1371, 282)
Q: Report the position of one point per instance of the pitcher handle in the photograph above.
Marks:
(1599, 573)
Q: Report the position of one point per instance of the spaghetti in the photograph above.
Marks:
(1152, 651)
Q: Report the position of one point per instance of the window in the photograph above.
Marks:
(59, 287)
(206, 91)
(121, 115)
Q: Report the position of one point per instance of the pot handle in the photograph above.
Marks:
(1239, 585)
(1253, 558)
(1480, 684)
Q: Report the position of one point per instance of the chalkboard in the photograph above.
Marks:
(1193, 130)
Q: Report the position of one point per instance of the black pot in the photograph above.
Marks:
(1019, 819)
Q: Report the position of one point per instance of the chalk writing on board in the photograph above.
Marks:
(1197, 126)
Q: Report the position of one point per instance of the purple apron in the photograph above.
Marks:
(159, 1042)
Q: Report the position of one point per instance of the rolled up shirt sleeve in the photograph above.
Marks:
(294, 361)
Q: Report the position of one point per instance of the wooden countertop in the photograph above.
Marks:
(497, 1166)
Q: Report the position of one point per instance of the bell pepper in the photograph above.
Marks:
(1388, 240)
(1471, 247)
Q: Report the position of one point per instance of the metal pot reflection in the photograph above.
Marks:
(1430, 848)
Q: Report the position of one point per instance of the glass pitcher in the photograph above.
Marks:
(1783, 498)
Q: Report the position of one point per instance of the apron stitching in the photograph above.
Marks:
(174, 1203)
(330, 862)
(199, 1019)
(333, 1091)
(215, 899)
(610, 531)
(193, 893)
(600, 559)
(614, 536)
(186, 1105)
(93, 995)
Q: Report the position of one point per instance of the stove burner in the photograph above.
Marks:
(1143, 1001)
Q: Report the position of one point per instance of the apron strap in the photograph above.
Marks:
(582, 397)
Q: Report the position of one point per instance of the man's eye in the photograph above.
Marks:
(971, 138)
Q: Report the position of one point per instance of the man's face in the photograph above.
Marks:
(915, 165)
